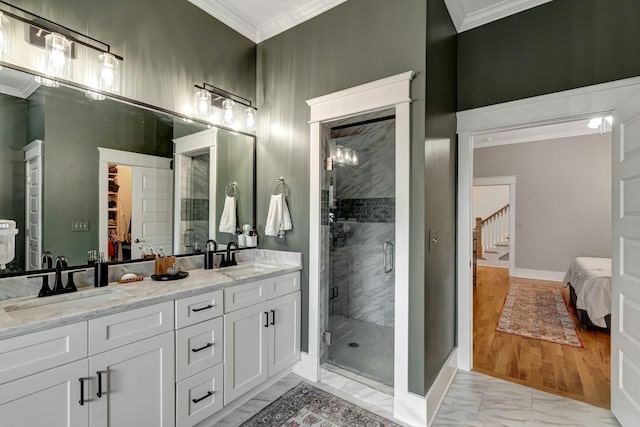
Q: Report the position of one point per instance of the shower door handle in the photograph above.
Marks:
(386, 254)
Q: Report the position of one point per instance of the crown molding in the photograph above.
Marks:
(290, 19)
(464, 20)
(20, 88)
(227, 16)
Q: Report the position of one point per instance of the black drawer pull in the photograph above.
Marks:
(195, 310)
(99, 393)
(209, 393)
(81, 401)
(273, 318)
(266, 319)
(195, 350)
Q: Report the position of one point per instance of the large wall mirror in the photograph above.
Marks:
(80, 174)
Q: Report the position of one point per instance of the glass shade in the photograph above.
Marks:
(4, 36)
(58, 60)
(227, 107)
(251, 118)
(109, 78)
(203, 102)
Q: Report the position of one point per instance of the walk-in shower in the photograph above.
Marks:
(358, 236)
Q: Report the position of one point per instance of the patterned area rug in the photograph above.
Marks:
(308, 406)
(540, 312)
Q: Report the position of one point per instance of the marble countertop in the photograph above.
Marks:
(30, 314)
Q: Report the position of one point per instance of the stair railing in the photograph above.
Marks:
(492, 230)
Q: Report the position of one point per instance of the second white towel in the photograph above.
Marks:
(228, 218)
(278, 218)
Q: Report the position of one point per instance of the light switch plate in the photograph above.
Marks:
(433, 240)
(80, 225)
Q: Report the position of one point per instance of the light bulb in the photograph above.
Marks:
(203, 101)
(228, 110)
(58, 55)
(251, 119)
(595, 123)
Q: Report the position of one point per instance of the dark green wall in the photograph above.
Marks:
(167, 45)
(557, 46)
(352, 44)
(440, 194)
(13, 136)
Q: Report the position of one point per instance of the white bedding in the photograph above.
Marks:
(591, 279)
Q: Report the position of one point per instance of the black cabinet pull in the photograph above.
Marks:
(266, 319)
(99, 393)
(209, 393)
(81, 401)
(195, 310)
(273, 317)
(195, 350)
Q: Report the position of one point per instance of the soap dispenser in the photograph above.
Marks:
(101, 272)
(209, 254)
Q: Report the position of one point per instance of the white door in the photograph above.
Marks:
(625, 298)
(151, 210)
(245, 345)
(283, 332)
(33, 205)
(137, 385)
(50, 398)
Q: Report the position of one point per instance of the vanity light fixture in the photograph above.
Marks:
(345, 156)
(4, 36)
(218, 105)
(60, 44)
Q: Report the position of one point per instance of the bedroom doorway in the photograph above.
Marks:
(525, 328)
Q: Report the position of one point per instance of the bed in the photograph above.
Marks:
(589, 281)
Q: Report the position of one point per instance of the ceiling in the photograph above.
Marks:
(259, 20)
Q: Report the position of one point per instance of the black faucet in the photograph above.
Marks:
(47, 260)
(61, 264)
(231, 256)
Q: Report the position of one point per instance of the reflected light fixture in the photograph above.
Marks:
(96, 96)
(46, 82)
(219, 106)
(600, 123)
(58, 60)
(4, 36)
(345, 156)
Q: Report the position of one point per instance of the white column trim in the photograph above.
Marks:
(557, 107)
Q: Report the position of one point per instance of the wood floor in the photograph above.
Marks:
(579, 373)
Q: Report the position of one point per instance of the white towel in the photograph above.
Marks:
(228, 218)
(278, 218)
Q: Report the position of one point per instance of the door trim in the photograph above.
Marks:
(125, 158)
(557, 107)
(33, 150)
(391, 92)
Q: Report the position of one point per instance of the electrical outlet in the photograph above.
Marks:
(80, 225)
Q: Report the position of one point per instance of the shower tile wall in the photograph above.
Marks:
(194, 181)
(365, 212)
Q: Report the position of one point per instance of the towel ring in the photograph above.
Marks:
(278, 186)
(232, 186)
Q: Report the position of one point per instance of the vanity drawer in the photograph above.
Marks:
(283, 285)
(199, 397)
(27, 354)
(199, 308)
(241, 296)
(116, 330)
(198, 347)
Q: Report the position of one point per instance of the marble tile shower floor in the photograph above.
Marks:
(362, 348)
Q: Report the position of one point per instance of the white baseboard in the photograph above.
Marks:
(421, 411)
(307, 368)
(554, 276)
(440, 386)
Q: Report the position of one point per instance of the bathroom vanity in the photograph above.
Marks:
(149, 353)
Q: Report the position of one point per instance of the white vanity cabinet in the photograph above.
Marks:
(263, 338)
(199, 353)
(33, 384)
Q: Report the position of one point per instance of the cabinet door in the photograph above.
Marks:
(284, 332)
(50, 398)
(137, 384)
(245, 345)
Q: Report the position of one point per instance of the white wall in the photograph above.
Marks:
(487, 199)
(563, 197)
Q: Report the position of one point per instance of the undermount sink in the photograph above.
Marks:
(58, 304)
(246, 269)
